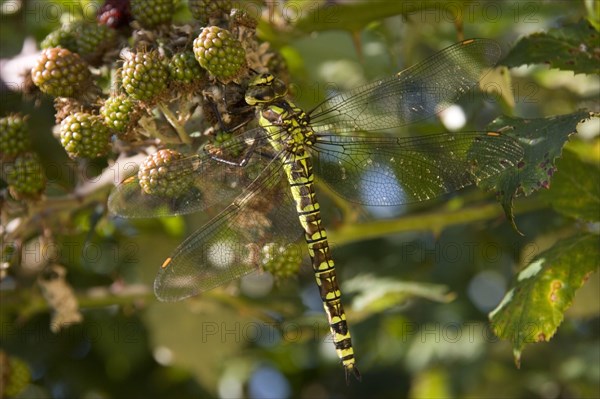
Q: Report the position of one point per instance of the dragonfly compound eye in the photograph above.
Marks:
(265, 88)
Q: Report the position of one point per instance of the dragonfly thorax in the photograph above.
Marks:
(286, 124)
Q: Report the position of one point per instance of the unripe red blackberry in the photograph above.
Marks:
(25, 175)
(184, 68)
(117, 112)
(144, 75)
(84, 135)
(151, 13)
(61, 73)
(14, 138)
(165, 173)
(114, 13)
(220, 53)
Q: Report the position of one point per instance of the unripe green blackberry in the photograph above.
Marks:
(88, 39)
(14, 138)
(61, 73)
(282, 261)
(184, 68)
(84, 135)
(17, 378)
(61, 37)
(165, 173)
(117, 112)
(151, 13)
(220, 53)
(144, 75)
(92, 39)
(25, 175)
(202, 10)
(223, 137)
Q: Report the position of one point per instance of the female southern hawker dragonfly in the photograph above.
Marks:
(261, 182)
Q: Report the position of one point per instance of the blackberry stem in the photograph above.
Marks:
(154, 132)
(172, 119)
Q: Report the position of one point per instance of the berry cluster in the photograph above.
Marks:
(84, 135)
(88, 39)
(220, 53)
(115, 13)
(205, 10)
(282, 262)
(118, 112)
(165, 173)
(131, 76)
(144, 75)
(25, 175)
(151, 14)
(184, 68)
(21, 167)
(61, 73)
(14, 138)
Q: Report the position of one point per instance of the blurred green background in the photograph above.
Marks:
(417, 300)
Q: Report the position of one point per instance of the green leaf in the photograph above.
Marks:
(352, 16)
(572, 48)
(542, 141)
(534, 308)
(575, 190)
(593, 12)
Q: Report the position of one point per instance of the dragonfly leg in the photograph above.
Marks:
(244, 160)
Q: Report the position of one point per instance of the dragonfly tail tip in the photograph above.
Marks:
(352, 369)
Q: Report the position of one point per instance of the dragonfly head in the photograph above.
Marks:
(265, 88)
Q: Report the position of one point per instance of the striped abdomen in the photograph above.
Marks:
(298, 168)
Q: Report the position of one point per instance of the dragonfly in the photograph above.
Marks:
(257, 189)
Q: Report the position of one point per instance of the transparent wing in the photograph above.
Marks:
(383, 170)
(214, 181)
(413, 94)
(236, 242)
